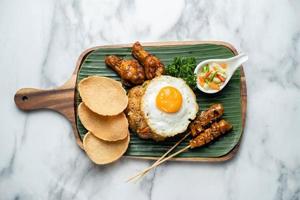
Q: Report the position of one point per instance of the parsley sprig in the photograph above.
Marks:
(183, 67)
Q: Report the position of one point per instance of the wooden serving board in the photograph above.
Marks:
(65, 99)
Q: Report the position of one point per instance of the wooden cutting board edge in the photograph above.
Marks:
(63, 98)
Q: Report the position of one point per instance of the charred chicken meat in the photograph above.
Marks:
(206, 117)
(152, 65)
(131, 72)
(215, 131)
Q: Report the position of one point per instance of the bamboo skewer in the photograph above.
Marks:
(163, 156)
(171, 149)
(216, 130)
(157, 163)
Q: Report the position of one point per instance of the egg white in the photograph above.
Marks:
(163, 123)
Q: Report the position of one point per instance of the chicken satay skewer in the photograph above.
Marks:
(213, 113)
(216, 130)
(206, 117)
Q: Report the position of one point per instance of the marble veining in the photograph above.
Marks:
(41, 41)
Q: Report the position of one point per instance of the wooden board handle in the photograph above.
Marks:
(60, 99)
(32, 99)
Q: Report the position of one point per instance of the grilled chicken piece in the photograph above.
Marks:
(130, 71)
(216, 130)
(153, 66)
(213, 113)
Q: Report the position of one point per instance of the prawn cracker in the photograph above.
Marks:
(103, 152)
(102, 95)
(109, 128)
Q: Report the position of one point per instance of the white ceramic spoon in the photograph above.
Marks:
(232, 64)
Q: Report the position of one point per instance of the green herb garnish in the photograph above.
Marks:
(183, 67)
(205, 69)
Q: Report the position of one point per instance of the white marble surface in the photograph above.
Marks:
(40, 42)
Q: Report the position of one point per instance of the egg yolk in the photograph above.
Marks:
(169, 99)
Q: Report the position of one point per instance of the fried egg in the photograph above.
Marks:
(168, 105)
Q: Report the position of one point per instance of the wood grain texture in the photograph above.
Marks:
(62, 99)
